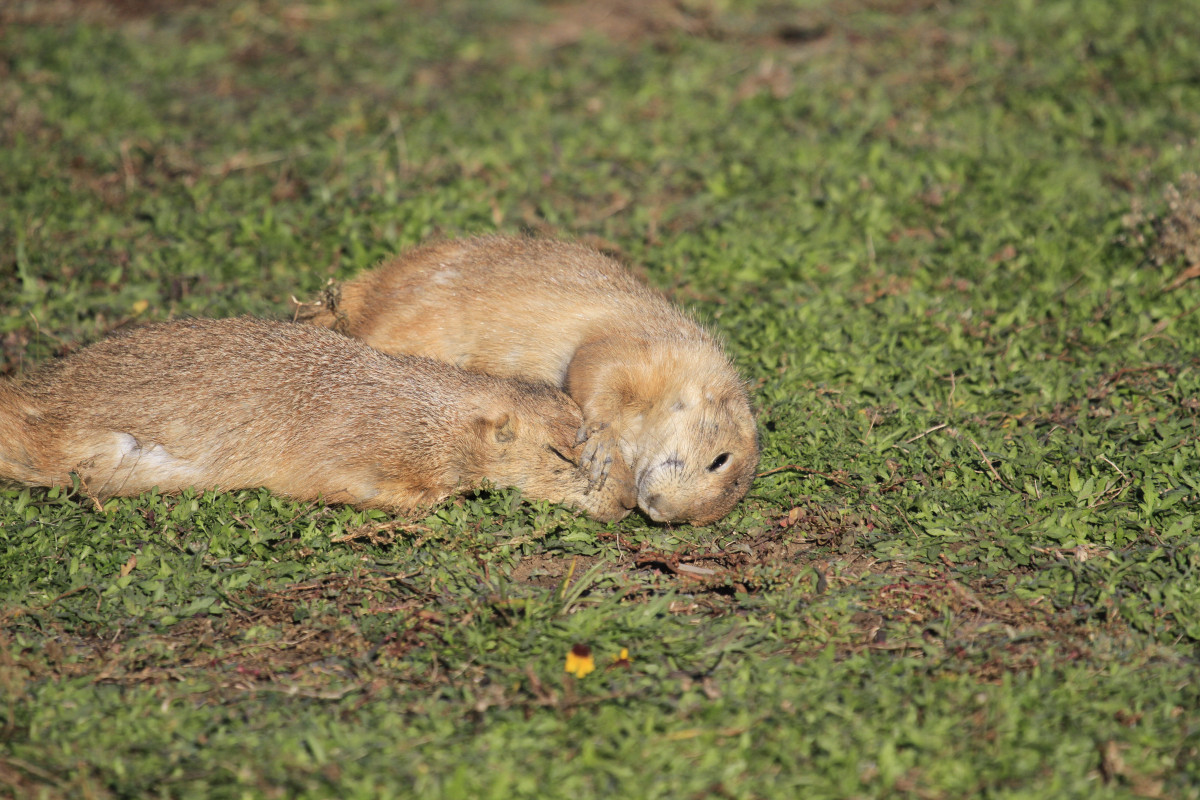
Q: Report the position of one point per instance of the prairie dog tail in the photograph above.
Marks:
(16, 441)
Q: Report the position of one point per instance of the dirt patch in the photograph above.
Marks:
(304, 639)
(549, 571)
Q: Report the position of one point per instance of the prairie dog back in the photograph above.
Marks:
(655, 387)
(507, 306)
(243, 403)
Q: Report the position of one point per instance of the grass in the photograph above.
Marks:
(952, 246)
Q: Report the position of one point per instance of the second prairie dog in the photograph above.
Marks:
(655, 388)
(305, 412)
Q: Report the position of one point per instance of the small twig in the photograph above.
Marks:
(10, 615)
(376, 533)
(808, 471)
(871, 426)
(1162, 324)
(925, 433)
(300, 305)
(988, 463)
(1115, 490)
(670, 561)
(40, 331)
(90, 495)
(1108, 461)
(1185, 275)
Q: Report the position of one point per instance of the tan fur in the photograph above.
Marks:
(655, 388)
(303, 411)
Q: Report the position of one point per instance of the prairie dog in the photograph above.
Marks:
(305, 412)
(656, 389)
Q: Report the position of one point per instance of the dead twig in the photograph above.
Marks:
(987, 462)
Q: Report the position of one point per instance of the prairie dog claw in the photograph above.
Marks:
(598, 453)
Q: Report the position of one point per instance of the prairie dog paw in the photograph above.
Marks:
(598, 453)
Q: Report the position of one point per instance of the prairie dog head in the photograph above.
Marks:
(696, 454)
(533, 446)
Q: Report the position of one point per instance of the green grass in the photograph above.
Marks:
(947, 244)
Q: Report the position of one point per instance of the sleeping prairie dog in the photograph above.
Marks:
(655, 388)
(305, 412)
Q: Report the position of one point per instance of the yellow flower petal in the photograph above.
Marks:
(580, 661)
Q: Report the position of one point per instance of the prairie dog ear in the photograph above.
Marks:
(505, 432)
(497, 425)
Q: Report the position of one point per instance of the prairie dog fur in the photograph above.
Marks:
(305, 412)
(656, 389)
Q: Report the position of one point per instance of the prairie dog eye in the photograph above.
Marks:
(719, 462)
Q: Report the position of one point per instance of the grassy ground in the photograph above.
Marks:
(951, 246)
